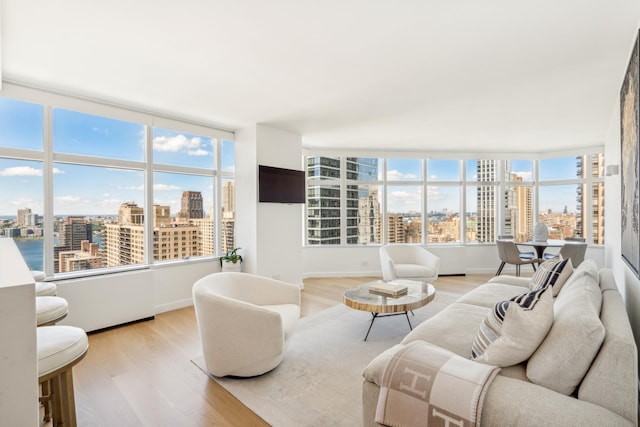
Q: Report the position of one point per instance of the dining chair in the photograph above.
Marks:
(509, 254)
(573, 249)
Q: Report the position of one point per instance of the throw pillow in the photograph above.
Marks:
(514, 329)
(566, 354)
(553, 272)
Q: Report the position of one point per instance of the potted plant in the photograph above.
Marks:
(231, 261)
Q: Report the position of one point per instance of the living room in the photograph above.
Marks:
(415, 81)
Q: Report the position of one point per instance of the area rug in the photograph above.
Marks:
(319, 381)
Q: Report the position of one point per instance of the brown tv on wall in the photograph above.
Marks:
(279, 185)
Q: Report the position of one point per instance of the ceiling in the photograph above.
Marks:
(461, 75)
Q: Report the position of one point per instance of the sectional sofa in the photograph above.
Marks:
(584, 372)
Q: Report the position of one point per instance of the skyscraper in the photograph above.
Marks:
(191, 205)
(486, 201)
(124, 241)
(595, 169)
(74, 230)
(228, 223)
(363, 215)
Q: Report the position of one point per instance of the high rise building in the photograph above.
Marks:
(25, 218)
(191, 205)
(486, 201)
(395, 228)
(324, 204)
(523, 230)
(595, 168)
(124, 241)
(73, 231)
(369, 218)
(88, 257)
(228, 223)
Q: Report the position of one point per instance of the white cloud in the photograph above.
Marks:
(394, 175)
(180, 143)
(165, 187)
(68, 199)
(21, 171)
(57, 171)
(198, 152)
(101, 130)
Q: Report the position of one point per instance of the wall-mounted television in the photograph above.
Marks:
(279, 185)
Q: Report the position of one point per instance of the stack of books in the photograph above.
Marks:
(389, 289)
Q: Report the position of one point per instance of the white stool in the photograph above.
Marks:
(50, 310)
(59, 349)
(38, 275)
(46, 289)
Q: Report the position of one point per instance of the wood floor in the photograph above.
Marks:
(141, 374)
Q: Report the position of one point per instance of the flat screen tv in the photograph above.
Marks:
(278, 185)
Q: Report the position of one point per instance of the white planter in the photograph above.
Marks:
(229, 266)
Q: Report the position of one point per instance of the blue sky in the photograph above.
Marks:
(95, 190)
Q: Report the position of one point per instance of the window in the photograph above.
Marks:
(443, 201)
(90, 135)
(571, 197)
(517, 205)
(172, 147)
(21, 124)
(183, 208)
(91, 207)
(103, 167)
(443, 217)
(21, 208)
(501, 197)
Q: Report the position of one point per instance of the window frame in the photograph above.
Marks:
(50, 100)
(501, 184)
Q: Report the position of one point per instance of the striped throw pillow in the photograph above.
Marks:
(513, 329)
(554, 273)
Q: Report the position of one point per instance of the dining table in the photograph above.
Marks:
(541, 245)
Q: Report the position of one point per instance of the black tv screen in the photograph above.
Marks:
(278, 185)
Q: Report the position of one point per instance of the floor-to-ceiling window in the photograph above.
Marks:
(86, 186)
(452, 201)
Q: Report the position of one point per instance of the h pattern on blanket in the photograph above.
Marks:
(424, 385)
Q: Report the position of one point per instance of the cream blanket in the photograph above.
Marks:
(424, 385)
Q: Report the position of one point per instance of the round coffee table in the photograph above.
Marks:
(418, 295)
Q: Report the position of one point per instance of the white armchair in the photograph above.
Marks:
(245, 322)
(408, 262)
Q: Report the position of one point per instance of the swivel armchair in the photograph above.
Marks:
(245, 322)
(400, 261)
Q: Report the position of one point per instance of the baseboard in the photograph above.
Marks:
(323, 274)
(174, 305)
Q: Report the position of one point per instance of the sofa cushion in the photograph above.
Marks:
(586, 268)
(575, 338)
(454, 328)
(413, 270)
(553, 272)
(489, 294)
(513, 330)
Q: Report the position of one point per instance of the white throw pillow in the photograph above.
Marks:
(553, 272)
(514, 329)
(566, 354)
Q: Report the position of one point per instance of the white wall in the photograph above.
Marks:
(18, 348)
(269, 233)
(359, 261)
(626, 280)
(98, 302)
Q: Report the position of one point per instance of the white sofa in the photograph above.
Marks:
(245, 322)
(549, 388)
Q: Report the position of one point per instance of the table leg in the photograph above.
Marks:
(376, 315)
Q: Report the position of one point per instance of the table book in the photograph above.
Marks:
(389, 289)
